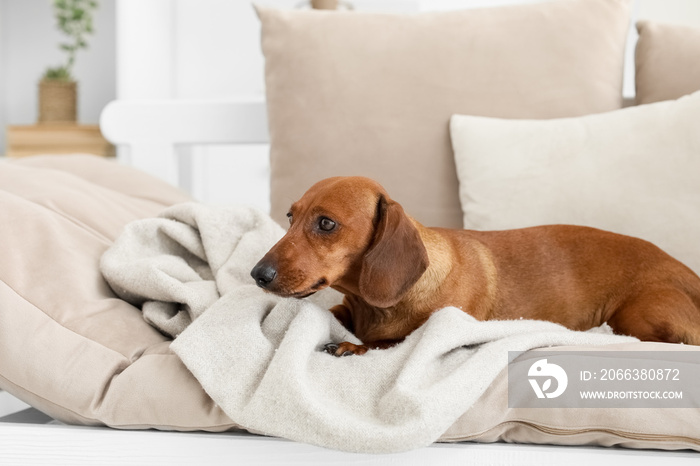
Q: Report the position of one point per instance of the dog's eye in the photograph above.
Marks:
(326, 224)
(289, 216)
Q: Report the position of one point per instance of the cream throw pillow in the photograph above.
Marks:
(353, 93)
(634, 171)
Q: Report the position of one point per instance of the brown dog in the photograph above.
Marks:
(348, 234)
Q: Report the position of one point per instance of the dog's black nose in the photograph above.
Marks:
(263, 273)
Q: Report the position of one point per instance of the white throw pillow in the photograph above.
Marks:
(634, 171)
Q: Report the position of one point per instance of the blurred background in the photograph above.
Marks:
(186, 49)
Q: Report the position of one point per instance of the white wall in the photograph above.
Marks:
(29, 44)
(672, 11)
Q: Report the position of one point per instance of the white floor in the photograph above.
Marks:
(29, 444)
(28, 437)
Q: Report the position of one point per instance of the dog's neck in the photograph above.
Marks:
(440, 265)
(372, 323)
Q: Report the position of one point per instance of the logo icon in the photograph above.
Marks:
(542, 369)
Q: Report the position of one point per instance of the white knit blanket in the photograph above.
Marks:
(260, 357)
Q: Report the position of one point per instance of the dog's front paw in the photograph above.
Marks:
(330, 348)
(344, 349)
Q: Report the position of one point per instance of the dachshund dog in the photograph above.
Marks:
(347, 233)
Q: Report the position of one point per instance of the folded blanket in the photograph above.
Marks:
(260, 357)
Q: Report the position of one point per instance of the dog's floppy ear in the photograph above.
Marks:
(395, 260)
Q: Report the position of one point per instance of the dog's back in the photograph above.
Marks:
(582, 277)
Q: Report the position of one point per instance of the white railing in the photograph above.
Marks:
(154, 135)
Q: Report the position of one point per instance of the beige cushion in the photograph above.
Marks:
(667, 61)
(372, 94)
(68, 345)
(632, 171)
(491, 419)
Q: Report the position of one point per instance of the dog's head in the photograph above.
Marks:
(345, 232)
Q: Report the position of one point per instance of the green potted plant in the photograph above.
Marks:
(58, 88)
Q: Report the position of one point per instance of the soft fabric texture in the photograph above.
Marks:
(632, 171)
(357, 93)
(260, 357)
(175, 267)
(667, 61)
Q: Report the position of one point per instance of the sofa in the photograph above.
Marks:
(483, 119)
